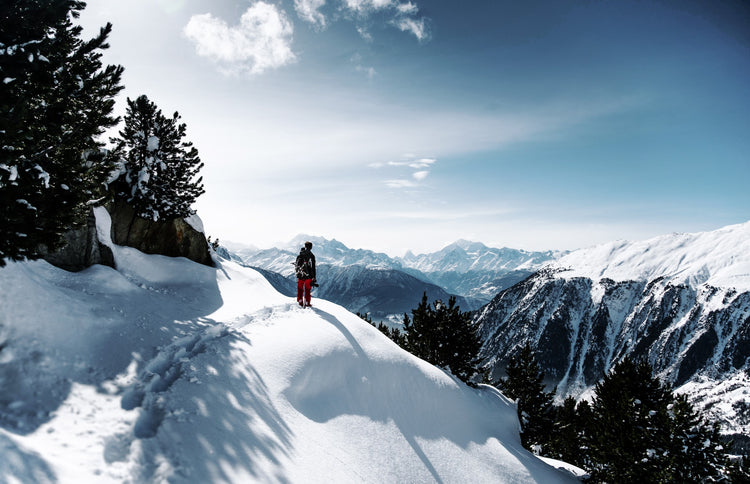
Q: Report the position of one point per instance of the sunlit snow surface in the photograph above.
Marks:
(169, 371)
(720, 258)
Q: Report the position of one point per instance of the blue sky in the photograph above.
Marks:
(394, 125)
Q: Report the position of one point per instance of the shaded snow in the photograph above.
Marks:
(169, 371)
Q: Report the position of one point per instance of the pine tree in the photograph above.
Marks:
(641, 432)
(56, 99)
(566, 435)
(421, 332)
(628, 415)
(696, 448)
(158, 168)
(444, 336)
(394, 334)
(739, 471)
(460, 345)
(524, 383)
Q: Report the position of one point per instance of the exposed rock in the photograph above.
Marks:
(83, 249)
(582, 328)
(174, 238)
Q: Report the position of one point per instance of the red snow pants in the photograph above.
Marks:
(304, 286)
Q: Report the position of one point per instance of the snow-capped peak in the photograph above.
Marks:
(719, 258)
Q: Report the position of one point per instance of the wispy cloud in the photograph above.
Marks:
(411, 163)
(421, 165)
(363, 6)
(403, 15)
(309, 11)
(416, 26)
(400, 183)
(420, 175)
(261, 41)
(370, 72)
(407, 8)
(444, 213)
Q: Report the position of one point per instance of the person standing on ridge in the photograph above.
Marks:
(305, 269)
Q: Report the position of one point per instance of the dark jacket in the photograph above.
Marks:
(305, 264)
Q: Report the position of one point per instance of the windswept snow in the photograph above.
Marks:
(719, 258)
(169, 371)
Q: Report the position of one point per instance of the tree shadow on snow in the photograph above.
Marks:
(216, 422)
(100, 325)
(21, 465)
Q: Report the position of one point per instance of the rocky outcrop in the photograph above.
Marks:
(86, 246)
(83, 248)
(174, 238)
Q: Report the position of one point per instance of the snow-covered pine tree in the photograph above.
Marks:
(56, 98)
(461, 344)
(567, 434)
(158, 169)
(641, 432)
(629, 426)
(525, 384)
(697, 449)
(444, 336)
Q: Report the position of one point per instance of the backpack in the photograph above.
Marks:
(303, 265)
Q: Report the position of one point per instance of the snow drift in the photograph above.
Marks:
(169, 371)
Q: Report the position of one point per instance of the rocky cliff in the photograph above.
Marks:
(175, 238)
(681, 301)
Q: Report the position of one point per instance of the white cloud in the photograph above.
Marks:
(261, 41)
(416, 164)
(407, 8)
(309, 11)
(404, 16)
(416, 26)
(364, 33)
(420, 164)
(363, 6)
(368, 71)
(400, 183)
(420, 175)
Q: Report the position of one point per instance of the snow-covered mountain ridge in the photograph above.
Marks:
(719, 258)
(462, 256)
(165, 370)
(681, 301)
(465, 256)
(464, 268)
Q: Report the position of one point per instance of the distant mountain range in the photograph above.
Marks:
(371, 282)
(681, 301)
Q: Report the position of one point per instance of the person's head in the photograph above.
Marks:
(308, 245)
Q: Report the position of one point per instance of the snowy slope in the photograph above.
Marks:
(168, 371)
(720, 258)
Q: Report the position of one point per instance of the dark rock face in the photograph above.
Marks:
(173, 238)
(582, 328)
(82, 249)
